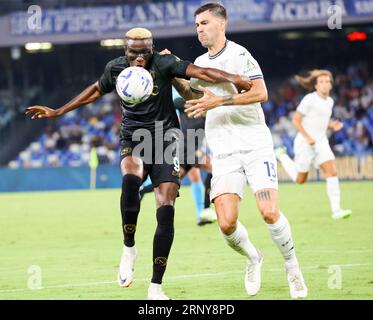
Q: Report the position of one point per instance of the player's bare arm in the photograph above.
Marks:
(89, 95)
(213, 75)
(297, 122)
(197, 108)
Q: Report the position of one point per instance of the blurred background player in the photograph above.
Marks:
(201, 159)
(312, 119)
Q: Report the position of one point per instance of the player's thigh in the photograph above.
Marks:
(304, 155)
(227, 177)
(325, 158)
(261, 169)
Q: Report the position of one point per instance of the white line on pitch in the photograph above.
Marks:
(170, 278)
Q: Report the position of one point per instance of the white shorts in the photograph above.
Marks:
(305, 154)
(231, 173)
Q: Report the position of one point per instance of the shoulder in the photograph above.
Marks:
(309, 97)
(200, 59)
(165, 59)
(121, 61)
(237, 49)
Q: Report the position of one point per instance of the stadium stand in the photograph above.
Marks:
(68, 140)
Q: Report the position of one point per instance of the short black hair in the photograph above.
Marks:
(216, 8)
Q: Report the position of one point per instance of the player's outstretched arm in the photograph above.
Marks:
(89, 95)
(197, 108)
(217, 76)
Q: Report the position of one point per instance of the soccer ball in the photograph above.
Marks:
(134, 85)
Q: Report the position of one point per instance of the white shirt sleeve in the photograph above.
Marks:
(251, 66)
(304, 105)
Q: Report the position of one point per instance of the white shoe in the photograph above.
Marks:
(280, 151)
(155, 292)
(208, 215)
(298, 288)
(341, 214)
(126, 267)
(253, 276)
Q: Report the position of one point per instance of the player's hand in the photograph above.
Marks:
(243, 83)
(197, 108)
(40, 112)
(164, 52)
(336, 125)
(310, 141)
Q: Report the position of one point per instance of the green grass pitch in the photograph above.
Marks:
(75, 240)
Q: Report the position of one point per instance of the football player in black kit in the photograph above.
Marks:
(195, 157)
(157, 110)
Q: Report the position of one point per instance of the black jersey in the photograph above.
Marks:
(159, 106)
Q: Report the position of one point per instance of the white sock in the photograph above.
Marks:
(130, 250)
(239, 241)
(289, 166)
(281, 234)
(332, 188)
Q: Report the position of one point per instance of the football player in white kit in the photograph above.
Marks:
(311, 146)
(242, 147)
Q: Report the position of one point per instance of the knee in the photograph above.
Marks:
(270, 214)
(227, 227)
(165, 196)
(331, 173)
(165, 200)
(300, 180)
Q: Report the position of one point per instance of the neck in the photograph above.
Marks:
(322, 95)
(218, 46)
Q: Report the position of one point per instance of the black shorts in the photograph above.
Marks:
(160, 161)
(192, 155)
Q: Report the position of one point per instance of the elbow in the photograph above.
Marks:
(264, 97)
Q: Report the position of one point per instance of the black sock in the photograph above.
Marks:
(164, 235)
(207, 190)
(146, 189)
(130, 207)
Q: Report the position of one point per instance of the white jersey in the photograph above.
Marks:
(233, 128)
(316, 112)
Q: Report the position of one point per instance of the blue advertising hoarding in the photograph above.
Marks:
(101, 20)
